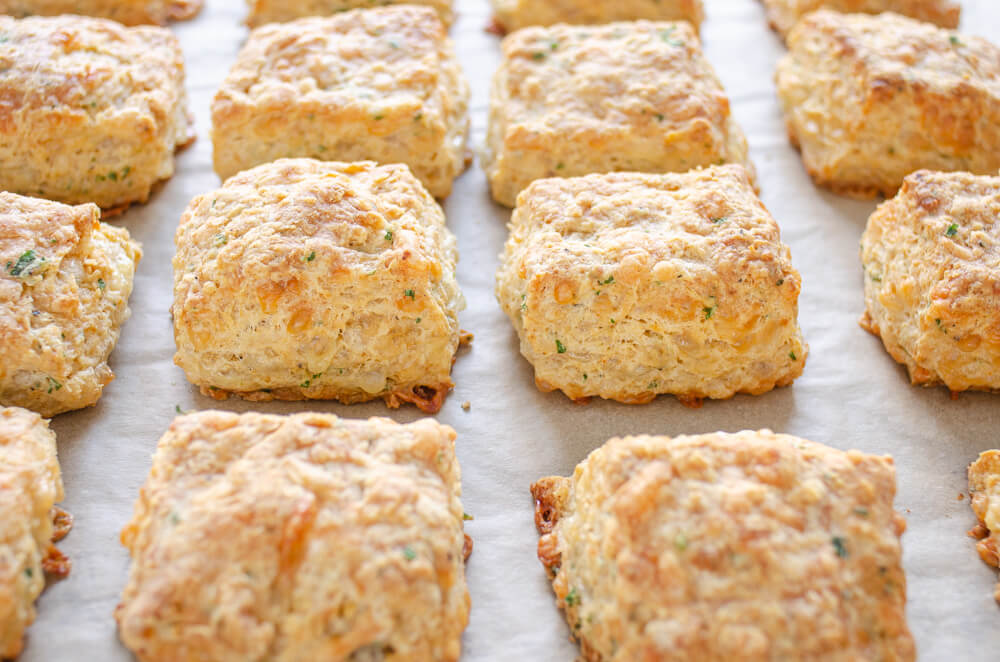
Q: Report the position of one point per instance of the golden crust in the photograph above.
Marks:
(932, 279)
(626, 285)
(304, 279)
(870, 99)
(90, 111)
(305, 537)
(784, 14)
(513, 15)
(64, 286)
(30, 484)
(281, 11)
(984, 497)
(126, 12)
(381, 84)
(750, 546)
(638, 96)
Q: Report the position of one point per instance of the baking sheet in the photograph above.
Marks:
(852, 395)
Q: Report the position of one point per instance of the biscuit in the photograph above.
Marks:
(749, 546)
(64, 286)
(870, 99)
(304, 279)
(126, 12)
(984, 497)
(626, 285)
(379, 84)
(305, 537)
(513, 15)
(574, 100)
(282, 11)
(93, 111)
(931, 257)
(31, 485)
(783, 14)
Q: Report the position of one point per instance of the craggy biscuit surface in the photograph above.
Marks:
(127, 12)
(718, 547)
(516, 14)
(92, 111)
(380, 84)
(870, 99)
(260, 538)
(627, 285)
(932, 279)
(984, 497)
(65, 280)
(280, 11)
(30, 485)
(312, 279)
(783, 14)
(574, 100)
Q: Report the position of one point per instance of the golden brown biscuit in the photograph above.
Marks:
(626, 285)
(65, 280)
(380, 84)
(513, 15)
(304, 537)
(280, 11)
(870, 99)
(30, 485)
(92, 111)
(574, 100)
(932, 279)
(127, 12)
(718, 547)
(783, 14)
(304, 279)
(984, 497)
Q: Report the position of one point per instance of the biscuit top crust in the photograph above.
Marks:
(304, 537)
(384, 59)
(784, 14)
(894, 52)
(676, 224)
(91, 65)
(613, 76)
(751, 545)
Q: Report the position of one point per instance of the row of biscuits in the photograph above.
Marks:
(309, 536)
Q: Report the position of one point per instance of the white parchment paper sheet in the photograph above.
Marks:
(852, 394)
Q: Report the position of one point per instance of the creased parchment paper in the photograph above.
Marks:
(852, 394)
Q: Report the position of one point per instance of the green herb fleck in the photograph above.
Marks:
(572, 598)
(26, 265)
(100, 284)
(840, 546)
(652, 385)
(680, 542)
(791, 355)
(875, 278)
(175, 518)
(113, 176)
(29, 572)
(708, 310)
(221, 239)
(467, 517)
(667, 36)
(608, 281)
(720, 219)
(584, 376)
(955, 41)
(660, 116)
(409, 553)
(311, 256)
(305, 384)
(379, 117)
(524, 306)
(53, 384)
(418, 320)
(952, 230)
(320, 148)
(861, 511)
(177, 408)
(410, 293)
(417, 117)
(538, 56)
(388, 235)
(393, 44)
(781, 281)
(561, 348)
(560, 166)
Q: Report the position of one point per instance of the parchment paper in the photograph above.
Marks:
(852, 394)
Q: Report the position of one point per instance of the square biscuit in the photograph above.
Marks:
(282, 11)
(784, 14)
(126, 12)
(931, 257)
(575, 100)
(626, 285)
(304, 279)
(984, 497)
(65, 280)
(513, 15)
(870, 99)
(304, 537)
(746, 546)
(30, 484)
(379, 84)
(93, 111)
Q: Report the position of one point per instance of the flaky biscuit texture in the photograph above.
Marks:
(783, 14)
(516, 14)
(126, 12)
(280, 11)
